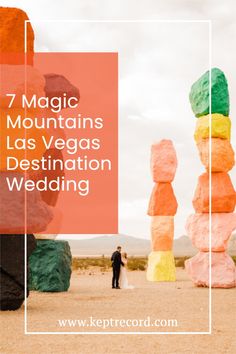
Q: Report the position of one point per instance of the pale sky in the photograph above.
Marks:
(158, 62)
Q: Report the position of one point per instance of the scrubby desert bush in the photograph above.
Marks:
(179, 261)
(104, 263)
(137, 263)
(134, 263)
(86, 263)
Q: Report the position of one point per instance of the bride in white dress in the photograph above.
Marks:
(123, 280)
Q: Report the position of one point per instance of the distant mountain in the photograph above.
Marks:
(232, 245)
(105, 245)
(183, 247)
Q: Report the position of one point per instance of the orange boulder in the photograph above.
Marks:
(222, 193)
(12, 36)
(20, 80)
(222, 154)
(162, 244)
(162, 200)
(162, 231)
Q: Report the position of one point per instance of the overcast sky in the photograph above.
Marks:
(158, 62)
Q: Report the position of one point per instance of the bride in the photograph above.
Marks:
(123, 280)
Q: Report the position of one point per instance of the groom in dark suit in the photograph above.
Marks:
(116, 264)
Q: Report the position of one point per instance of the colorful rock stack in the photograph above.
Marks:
(54, 266)
(50, 263)
(12, 244)
(12, 34)
(162, 208)
(223, 218)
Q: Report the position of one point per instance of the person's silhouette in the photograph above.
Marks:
(116, 264)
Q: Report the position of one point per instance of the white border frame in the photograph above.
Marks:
(209, 332)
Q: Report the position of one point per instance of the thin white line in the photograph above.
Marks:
(210, 180)
(25, 305)
(132, 333)
(25, 39)
(25, 196)
(210, 60)
(123, 21)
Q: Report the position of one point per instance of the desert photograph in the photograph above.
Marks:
(117, 177)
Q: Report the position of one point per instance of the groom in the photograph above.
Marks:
(116, 263)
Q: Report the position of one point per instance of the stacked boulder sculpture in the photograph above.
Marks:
(162, 208)
(12, 242)
(12, 34)
(218, 161)
(51, 263)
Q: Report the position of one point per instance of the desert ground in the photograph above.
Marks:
(90, 294)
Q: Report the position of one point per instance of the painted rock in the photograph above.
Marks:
(58, 85)
(163, 161)
(45, 236)
(223, 194)
(161, 266)
(12, 36)
(51, 130)
(162, 243)
(220, 127)
(12, 206)
(162, 231)
(222, 154)
(17, 134)
(13, 80)
(162, 201)
(48, 196)
(12, 270)
(54, 227)
(222, 226)
(223, 270)
(50, 266)
(199, 94)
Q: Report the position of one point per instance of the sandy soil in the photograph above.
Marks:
(91, 295)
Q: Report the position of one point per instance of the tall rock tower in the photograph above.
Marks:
(162, 208)
(12, 246)
(26, 211)
(223, 197)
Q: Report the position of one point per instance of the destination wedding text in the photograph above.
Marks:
(76, 148)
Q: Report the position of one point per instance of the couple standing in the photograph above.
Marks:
(119, 263)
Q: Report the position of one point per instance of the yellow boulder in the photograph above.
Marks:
(220, 127)
(161, 266)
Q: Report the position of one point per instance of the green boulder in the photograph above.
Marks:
(50, 266)
(199, 94)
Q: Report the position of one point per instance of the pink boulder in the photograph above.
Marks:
(223, 270)
(163, 161)
(222, 226)
(162, 201)
(223, 196)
